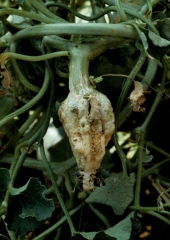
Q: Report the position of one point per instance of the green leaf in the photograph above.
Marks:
(93, 236)
(4, 179)
(28, 207)
(157, 40)
(32, 200)
(122, 230)
(146, 158)
(17, 224)
(117, 193)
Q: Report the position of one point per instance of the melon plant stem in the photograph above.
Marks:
(26, 14)
(31, 103)
(120, 31)
(140, 133)
(59, 223)
(122, 97)
(50, 173)
(23, 128)
(79, 57)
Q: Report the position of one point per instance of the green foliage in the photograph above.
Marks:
(146, 157)
(117, 193)
(28, 207)
(32, 201)
(122, 230)
(158, 41)
(18, 224)
(46, 52)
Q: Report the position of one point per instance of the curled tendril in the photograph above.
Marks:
(70, 10)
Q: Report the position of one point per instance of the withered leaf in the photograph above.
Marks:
(137, 97)
(7, 79)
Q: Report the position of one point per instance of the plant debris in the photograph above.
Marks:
(7, 81)
(137, 97)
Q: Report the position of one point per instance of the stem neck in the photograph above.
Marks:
(78, 68)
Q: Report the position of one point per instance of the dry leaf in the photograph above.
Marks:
(7, 80)
(137, 97)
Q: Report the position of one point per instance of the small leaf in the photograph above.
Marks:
(28, 207)
(4, 179)
(147, 151)
(146, 158)
(32, 200)
(122, 230)
(157, 40)
(117, 193)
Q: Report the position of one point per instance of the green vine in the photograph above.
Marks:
(119, 40)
